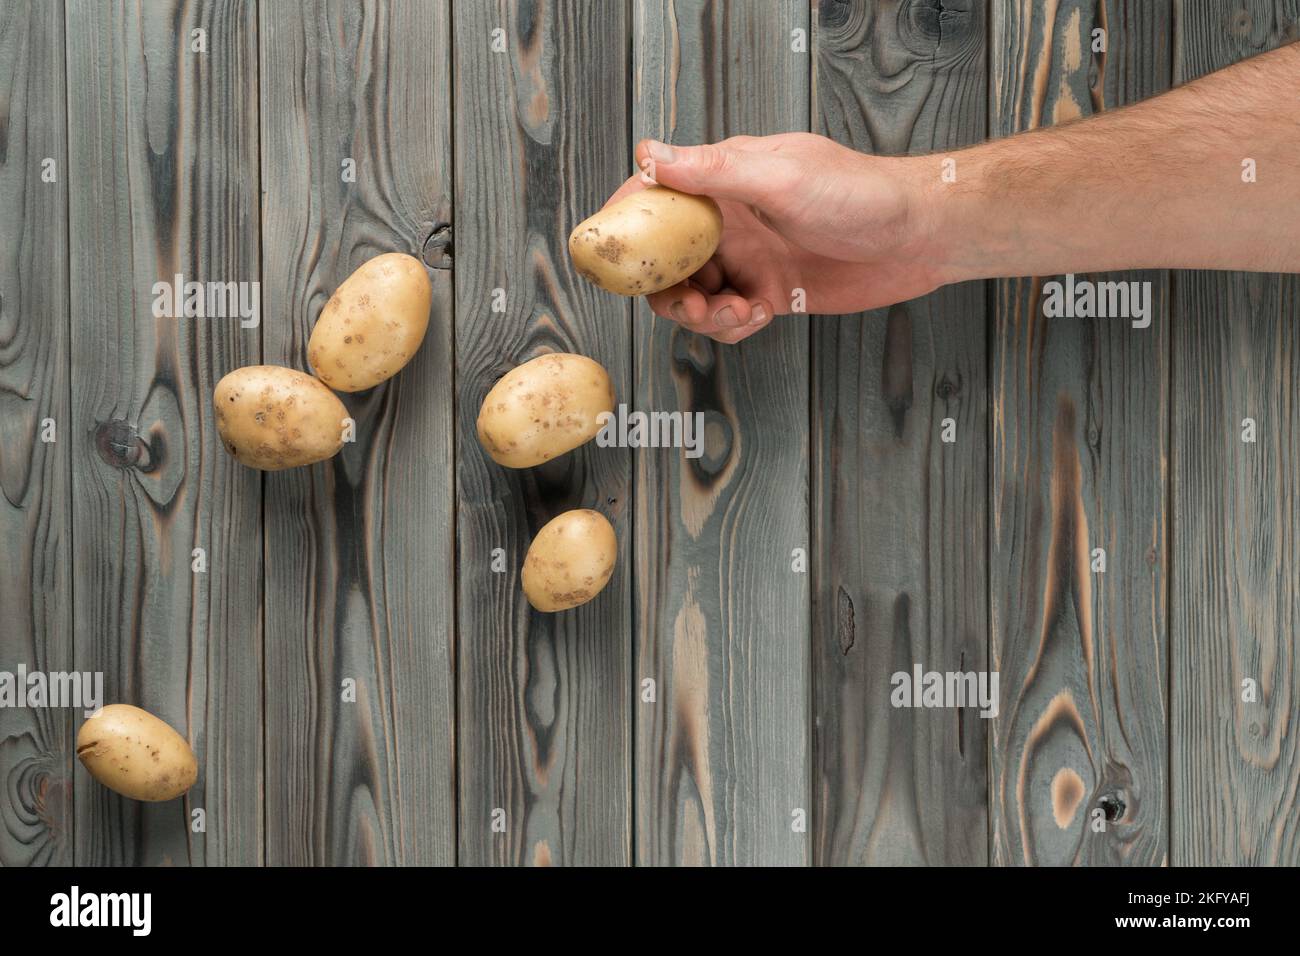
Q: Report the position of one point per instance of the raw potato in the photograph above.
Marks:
(569, 561)
(131, 751)
(271, 417)
(373, 323)
(544, 408)
(647, 241)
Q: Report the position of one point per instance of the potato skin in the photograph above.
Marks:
(543, 408)
(270, 417)
(569, 561)
(131, 751)
(647, 241)
(372, 324)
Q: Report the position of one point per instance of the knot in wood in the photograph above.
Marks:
(719, 446)
(832, 14)
(436, 250)
(119, 444)
(844, 621)
(1113, 806)
(941, 21)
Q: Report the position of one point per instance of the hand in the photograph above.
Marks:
(799, 212)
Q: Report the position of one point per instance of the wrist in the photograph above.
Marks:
(964, 230)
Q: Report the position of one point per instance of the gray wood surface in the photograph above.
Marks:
(543, 700)
(481, 132)
(163, 179)
(1079, 452)
(722, 620)
(904, 584)
(36, 749)
(1235, 770)
(359, 562)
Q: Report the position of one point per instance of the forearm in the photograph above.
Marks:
(1156, 185)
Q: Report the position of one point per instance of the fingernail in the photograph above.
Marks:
(661, 152)
(679, 313)
(726, 317)
(757, 315)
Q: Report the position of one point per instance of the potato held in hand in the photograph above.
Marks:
(131, 751)
(569, 561)
(373, 323)
(647, 241)
(544, 408)
(271, 417)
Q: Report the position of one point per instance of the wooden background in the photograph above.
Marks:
(481, 132)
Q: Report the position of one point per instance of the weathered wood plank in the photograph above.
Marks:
(359, 571)
(36, 750)
(1236, 571)
(905, 583)
(1079, 446)
(544, 700)
(722, 619)
(163, 180)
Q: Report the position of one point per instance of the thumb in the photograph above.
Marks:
(716, 169)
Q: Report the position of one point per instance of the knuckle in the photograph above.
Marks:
(715, 161)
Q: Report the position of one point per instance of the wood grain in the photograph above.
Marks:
(722, 755)
(1235, 770)
(1079, 452)
(903, 583)
(359, 563)
(505, 122)
(36, 749)
(163, 180)
(544, 700)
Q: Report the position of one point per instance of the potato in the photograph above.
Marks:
(544, 408)
(569, 561)
(372, 324)
(131, 751)
(647, 241)
(271, 417)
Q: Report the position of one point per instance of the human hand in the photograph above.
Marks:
(811, 226)
(808, 226)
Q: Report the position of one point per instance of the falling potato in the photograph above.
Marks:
(373, 323)
(132, 752)
(569, 561)
(270, 417)
(544, 408)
